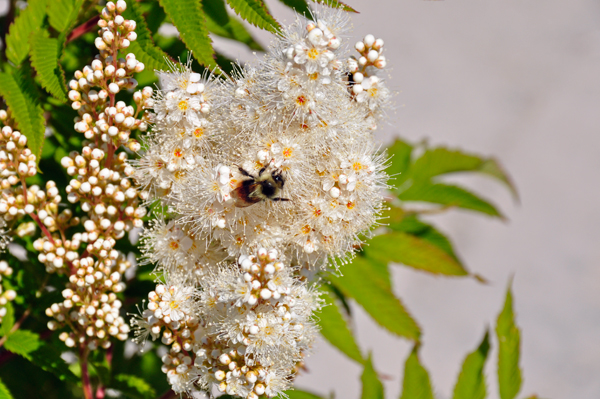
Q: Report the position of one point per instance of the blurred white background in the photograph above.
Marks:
(519, 80)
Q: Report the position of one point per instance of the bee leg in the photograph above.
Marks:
(262, 170)
(280, 199)
(243, 171)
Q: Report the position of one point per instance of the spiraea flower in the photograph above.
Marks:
(262, 179)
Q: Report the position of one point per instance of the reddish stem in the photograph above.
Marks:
(84, 28)
(85, 376)
(100, 392)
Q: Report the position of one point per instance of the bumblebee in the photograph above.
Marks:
(262, 187)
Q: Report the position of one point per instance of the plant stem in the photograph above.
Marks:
(85, 377)
(101, 388)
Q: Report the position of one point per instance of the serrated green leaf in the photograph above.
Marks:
(416, 383)
(8, 321)
(300, 6)
(299, 394)
(20, 96)
(471, 380)
(256, 13)
(335, 329)
(189, 19)
(133, 386)
(28, 21)
(336, 4)
(413, 251)
(4, 392)
(358, 282)
(509, 373)
(381, 271)
(23, 342)
(372, 388)
(143, 47)
(440, 161)
(449, 195)
(62, 14)
(45, 52)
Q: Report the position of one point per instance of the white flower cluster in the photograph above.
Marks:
(243, 330)
(281, 156)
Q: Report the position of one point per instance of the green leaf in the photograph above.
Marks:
(471, 380)
(336, 4)
(400, 153)
(381, 271)
(216, 10)
(20, 96)
(23, 342)
(398, 220)
(509, 373)
(47, 357)
(370, 292)
(439, 161)
(189, 19)
(256, 13)
(45, 52)
(448, 195)
(4, 392)
(300, 6)
(413, 251)
(133, 386)
(372, 388)
(8, 321)
(29, 20)
(62, 14)
(299, 394)
(235, 30)
(335, 329)
(143, 47)
(416, 383)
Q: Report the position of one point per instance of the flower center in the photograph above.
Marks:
(301, 100)
(306, 229)
(178, 152)
(174, 305)
(183, 105)
(174, 245)
(199, 132)
(287, 152)
(313, 53)
(350, 205)
(357, 166)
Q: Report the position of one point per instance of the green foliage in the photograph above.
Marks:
(255, 12)
(416, 384)
(28, 21)
(47, 357)
(222, 24)
(300, 6)
(62, 14)
(336, 4)
(359, 282)
(335, 329)
(144, 48)
(415, 252)
(416, 179)
(133, 387)
(299, 394)
(471, 381)
(189, 19)
(45, 52)
(8, 321)
(4, 392)
(20, 95)
(23, 342)
(372, 388)
(509, 373)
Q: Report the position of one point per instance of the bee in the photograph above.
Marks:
(255, 189)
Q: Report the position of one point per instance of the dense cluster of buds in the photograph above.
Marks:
(105, 202)
(8, 295)
(101, 185)
(281, 156)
